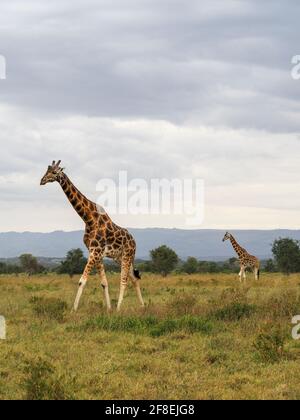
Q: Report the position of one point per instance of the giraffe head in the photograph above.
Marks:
(53, 173)
(226, 237)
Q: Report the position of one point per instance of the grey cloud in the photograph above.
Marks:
(223, 65)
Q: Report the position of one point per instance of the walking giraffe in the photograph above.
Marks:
(246, 260)
(103, 238)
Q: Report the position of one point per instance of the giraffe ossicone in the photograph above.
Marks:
(103, 239)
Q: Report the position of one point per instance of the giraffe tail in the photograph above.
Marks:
(137, 274)
(258, 273)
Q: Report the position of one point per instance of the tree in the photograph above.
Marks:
(286, 253)
(30, 265)
(213, 267)
(270, 266)
(191, 266)
(164, 260)
(9, 268)
(74, 263)
(233, 263)
(144, 267)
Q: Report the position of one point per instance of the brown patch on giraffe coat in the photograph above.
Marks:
(102, 237)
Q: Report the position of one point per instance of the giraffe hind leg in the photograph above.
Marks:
(135, 277)
(104, 284)
(125, 272)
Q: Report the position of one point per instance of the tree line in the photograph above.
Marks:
(164, 261)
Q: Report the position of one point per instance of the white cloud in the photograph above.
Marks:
(250, 171)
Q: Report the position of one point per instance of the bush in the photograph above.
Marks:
(74, 263)
(188, 324)
(30, 265)
(164, 260)
(286, 252)
(42, 383)
(235, 312)
(216, 357)
(50, 308)
(230, 296)
(182, 305)
(270, 266)
(270, 346)
(284, 306)
(191, 266)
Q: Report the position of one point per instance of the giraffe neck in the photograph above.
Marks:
(238, 249)
(85, 208)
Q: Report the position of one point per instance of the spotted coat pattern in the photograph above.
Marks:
(246, 260)
(103, 238)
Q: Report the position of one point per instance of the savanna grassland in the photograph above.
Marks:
(200, 337)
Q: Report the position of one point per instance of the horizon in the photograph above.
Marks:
(160, 228)
(205, 244)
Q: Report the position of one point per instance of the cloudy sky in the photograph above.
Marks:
(160, 88)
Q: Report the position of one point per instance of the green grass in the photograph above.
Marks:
(234, 312)
(148, 325)
(199, 337)
(49, 308)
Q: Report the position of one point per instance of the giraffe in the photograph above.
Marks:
(246, 260)
(103, 239)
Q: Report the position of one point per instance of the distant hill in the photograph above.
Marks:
(203, 244)
(44, 261)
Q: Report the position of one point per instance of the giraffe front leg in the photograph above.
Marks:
(104, 284)
(83, 280)
(82, 284)
(244, 275)
(241, 275)
(125, 270)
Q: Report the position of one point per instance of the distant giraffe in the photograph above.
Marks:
(246, 260)
(102, 238)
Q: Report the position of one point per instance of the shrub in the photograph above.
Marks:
(74, 263)
(270, 346)
(234, 312)
(193, 324)
(50, 308)
(164, 260)
(164, 327)
(182, 305)
(216, 357)
(286, 252)
(42, 383)
(285, 305)
(191, 266)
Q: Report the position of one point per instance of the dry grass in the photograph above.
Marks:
(200, 337)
